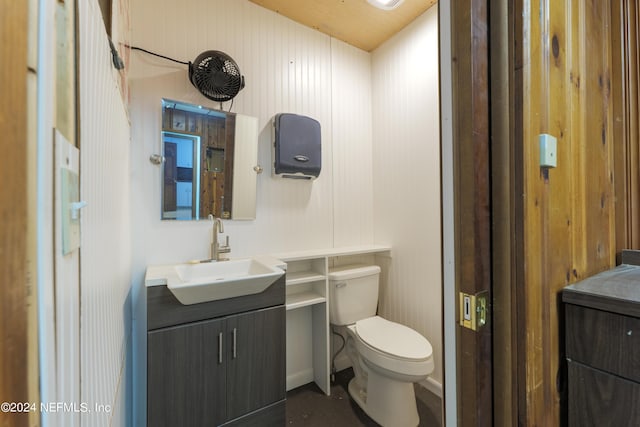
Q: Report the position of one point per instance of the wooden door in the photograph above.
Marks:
(170, 194)
(186, 375)
(625, 92)
(256, 360)
(472, 208)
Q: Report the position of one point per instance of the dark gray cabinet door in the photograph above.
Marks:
(597, 398)
(185, 379)
(256, 364)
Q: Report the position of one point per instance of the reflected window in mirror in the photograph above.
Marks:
(200, 167)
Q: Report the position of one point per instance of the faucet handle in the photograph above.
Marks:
(224, 249)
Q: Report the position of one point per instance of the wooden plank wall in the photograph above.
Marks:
(569, 212)
(229, 155)
(13, 210)
(215, 134)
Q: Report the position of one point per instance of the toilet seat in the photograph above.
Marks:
(393, 347)
(393, 339)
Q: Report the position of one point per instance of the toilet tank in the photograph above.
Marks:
(353, 293)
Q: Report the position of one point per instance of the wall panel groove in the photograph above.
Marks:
(105, 264)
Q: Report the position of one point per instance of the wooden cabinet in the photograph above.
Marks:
(603, 348)
(186, 380)
(227, 368)
(255, 360)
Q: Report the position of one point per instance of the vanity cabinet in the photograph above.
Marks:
(183, 368)
(216, 363)
(602, 316)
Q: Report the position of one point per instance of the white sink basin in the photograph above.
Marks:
(211, 281)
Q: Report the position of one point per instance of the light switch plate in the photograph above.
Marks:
(68, 192)
(70, 182)
(548, 151)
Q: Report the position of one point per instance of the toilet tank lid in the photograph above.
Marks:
(352, 271)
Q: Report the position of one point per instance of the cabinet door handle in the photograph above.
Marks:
(220, 348)
(235, 339)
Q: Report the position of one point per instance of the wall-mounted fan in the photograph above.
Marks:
(216, 75)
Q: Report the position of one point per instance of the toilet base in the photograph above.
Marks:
(392, 403)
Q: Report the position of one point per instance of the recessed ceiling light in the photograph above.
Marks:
(385, 4)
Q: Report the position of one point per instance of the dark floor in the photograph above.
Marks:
(309, 406)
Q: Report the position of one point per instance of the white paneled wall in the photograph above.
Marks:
(352, 145)
(105, 264)
(286, 68)
(406, 179)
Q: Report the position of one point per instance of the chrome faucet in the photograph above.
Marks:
(217, 248)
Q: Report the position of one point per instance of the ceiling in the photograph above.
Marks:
(353, 21)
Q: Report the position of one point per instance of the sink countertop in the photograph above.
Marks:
(616, 290)
(333, 252)
(159, 275)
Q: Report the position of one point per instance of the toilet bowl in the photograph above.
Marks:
(387, 357)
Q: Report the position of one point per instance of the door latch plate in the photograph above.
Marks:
(474, 310)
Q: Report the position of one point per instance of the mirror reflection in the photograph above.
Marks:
(210, 157)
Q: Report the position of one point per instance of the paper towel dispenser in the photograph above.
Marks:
(297, 147)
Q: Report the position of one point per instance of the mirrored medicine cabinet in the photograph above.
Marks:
(210, 163)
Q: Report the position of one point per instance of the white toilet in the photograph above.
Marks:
(387, 357)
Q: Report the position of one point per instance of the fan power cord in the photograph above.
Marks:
(155, 54)
(118, 63)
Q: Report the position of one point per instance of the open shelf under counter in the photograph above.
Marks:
(299, 277)
(306, 293)
(303, 299)
(307, 308)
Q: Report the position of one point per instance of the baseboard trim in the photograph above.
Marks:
(433, 386)
(299, 378)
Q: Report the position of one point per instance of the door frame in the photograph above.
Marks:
(15, 322)
(507, 215)
(450, 383)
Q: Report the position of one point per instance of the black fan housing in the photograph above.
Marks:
(216, 75)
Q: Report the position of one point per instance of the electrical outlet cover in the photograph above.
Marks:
(548, 151)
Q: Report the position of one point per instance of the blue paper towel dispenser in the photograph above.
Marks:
(297, 147)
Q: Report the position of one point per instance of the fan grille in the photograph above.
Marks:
(216, 75)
